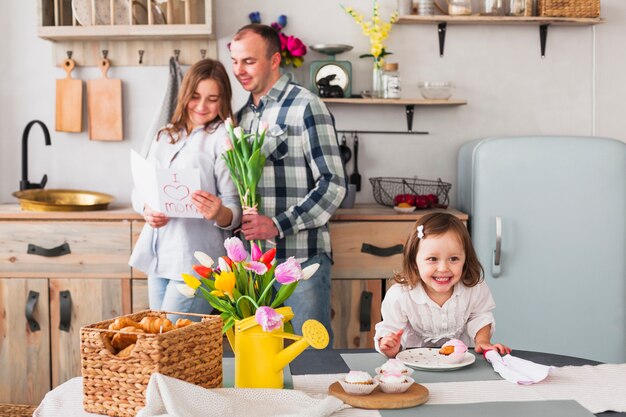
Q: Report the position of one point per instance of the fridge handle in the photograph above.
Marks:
(497, 254)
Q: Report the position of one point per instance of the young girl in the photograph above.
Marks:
(440, 294)
(196, 138)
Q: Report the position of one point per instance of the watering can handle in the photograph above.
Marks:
(285, 335)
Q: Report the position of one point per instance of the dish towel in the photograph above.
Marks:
(167, 396)
(517, 370)
(164, 116)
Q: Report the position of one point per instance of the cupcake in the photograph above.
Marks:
(358, 383)
(394, 382)
(394, 366)
(453, 351)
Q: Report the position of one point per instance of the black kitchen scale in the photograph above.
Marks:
(342, 70)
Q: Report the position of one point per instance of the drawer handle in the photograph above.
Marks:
(65, 307)
(365, 311)
(31, 303)
(61, 250)
(383, 252)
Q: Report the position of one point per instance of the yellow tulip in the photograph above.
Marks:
(225, 282)
(191, 281)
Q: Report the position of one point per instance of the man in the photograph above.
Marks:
(303, 181)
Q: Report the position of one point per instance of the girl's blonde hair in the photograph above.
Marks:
(436, 224)
(200, 71)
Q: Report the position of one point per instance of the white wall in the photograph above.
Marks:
(577, 89)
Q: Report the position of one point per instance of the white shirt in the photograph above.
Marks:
(424, 322)
(168, 251)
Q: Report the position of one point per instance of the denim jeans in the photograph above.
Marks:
(311, 299)
(163, 296)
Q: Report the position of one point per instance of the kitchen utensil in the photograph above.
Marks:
(344, 150)
(104, 106)
(416, 394)
(435, 90)
(355, 178)
(69, 101)
(102, 15)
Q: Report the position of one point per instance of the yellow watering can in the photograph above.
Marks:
(260, 356)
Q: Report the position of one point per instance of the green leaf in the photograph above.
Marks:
(217, 302)
(283, 293)
(228, 323)
(208, 282)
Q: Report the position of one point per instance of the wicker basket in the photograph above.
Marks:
(386, 188)
(569, 8)
(116, 386)
(17, 410)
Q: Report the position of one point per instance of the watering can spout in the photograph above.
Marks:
(314, 334)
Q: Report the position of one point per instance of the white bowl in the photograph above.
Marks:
(435, 90)
(404, 209)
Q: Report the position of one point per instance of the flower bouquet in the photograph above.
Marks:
(241, 284)
(293, 49)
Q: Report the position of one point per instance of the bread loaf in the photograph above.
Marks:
(156, 324)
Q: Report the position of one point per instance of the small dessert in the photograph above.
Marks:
(394, 382)
(358, 383)
(453, 351)
(394, 366)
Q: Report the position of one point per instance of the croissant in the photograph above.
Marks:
(122, 322)
(128, 336)
(124, 353)
(182, 323)
(152, 324)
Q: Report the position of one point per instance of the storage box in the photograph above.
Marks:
(116, 386)
(568, 8)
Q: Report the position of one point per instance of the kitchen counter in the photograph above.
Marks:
(361, 212)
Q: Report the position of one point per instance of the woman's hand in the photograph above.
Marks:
(155, 219)
(207, 204)
(390, 345)
(482, 347)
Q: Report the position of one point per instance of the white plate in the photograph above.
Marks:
(429, 359)
(82, 12)
(404, 209)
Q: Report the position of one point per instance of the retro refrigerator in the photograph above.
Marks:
(547, 216)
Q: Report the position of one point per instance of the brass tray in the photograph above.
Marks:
(62, 200)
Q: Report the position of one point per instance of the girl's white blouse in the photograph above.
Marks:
(425, 323)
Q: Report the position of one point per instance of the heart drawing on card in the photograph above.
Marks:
(179, 192)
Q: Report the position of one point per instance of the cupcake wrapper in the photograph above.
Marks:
(359, 389)
(396, 387)
(408, 371)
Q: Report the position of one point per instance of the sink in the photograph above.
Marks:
(62, 200)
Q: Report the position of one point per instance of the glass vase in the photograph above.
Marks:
(377, 80)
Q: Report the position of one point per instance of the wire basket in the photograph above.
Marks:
(386, 188)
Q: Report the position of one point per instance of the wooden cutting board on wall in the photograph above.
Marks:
(69, 101)
(104, 106)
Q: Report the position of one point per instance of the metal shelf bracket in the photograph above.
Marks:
(410, 110)
(543, 37)
(441, 30)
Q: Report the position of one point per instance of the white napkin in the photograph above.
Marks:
(167, 396)
(517, 370)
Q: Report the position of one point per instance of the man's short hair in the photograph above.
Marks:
(267, 33)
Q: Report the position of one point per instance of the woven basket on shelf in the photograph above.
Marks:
(568, 8)
(386, 188)
(17, 410)
(116, 386)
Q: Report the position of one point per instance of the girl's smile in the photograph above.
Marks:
(440, 260)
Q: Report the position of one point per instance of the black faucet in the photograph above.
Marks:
(24, 183)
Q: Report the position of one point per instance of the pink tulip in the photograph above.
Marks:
(289, 271)
(295, 47)
(258, 268)
(268, 318)
(235, 249)
(256, 252)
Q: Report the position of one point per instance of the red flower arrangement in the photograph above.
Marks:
(293, 49)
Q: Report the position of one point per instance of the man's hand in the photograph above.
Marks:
(258, 227)
(390, 345)
(155, 219)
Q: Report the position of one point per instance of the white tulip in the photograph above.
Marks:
(186, 290)
(204, 259)
(309, 271)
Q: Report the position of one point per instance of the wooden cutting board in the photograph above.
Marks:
(104, 106)
(69, 101)
(416, 394)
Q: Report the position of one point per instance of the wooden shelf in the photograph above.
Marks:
(395, 101)
(500, 20)
(125, 32)
(543, 22)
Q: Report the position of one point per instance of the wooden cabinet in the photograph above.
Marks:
(367, 244)
(56, 274)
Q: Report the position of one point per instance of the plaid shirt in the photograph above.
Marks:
(303, 181)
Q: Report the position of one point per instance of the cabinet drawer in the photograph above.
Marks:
(89, 249)
(350, 259)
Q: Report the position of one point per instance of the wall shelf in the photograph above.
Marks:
(442, 22)
(409, 105)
